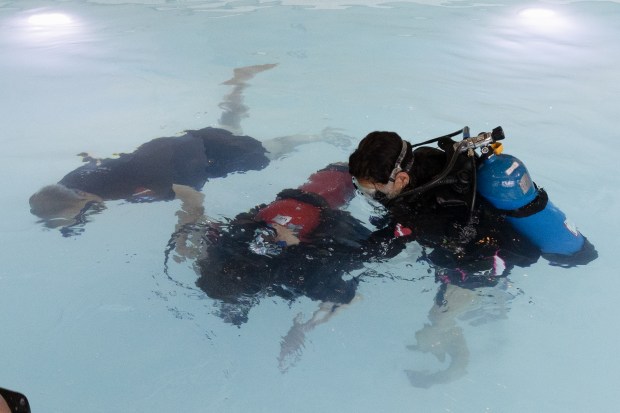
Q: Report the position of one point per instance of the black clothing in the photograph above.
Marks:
(468, 246)
(315, 269)
(155, 166)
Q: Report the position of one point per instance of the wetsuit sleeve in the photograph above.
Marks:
(383, 244)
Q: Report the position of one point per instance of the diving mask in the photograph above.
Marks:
(265, 242)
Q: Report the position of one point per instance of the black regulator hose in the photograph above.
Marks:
(450, 135)
(436, 181)
(496, 135)
(474, 187)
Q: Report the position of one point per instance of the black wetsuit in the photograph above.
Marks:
(466, 246)
(315, 269)
(155, 166)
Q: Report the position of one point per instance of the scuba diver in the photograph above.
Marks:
(169, 167)
(481, 214)
(478, 213)
(301, 244)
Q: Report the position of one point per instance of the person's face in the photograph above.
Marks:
(379, 191)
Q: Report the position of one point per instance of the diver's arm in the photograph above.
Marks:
(293, 343)
(384, 243)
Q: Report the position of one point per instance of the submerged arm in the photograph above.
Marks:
(293, 343)
(192, 208)
(192, 211)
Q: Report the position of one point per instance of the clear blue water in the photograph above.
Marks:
(91, 323)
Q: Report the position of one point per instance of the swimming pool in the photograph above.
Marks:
(92, 323)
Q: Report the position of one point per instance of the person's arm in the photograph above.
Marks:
(384, 243)
(192, 208)
(292, 344)
(192, 211)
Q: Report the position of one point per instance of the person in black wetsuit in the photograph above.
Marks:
(170, 167)
(158, 170)
(470, 244)
(299, 245)
(465, 240)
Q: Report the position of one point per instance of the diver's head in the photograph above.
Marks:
(59, 205)
(380, 165)
(239, 261)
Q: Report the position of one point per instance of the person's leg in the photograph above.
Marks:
(444, 337)
(283, 145)
(232, 104)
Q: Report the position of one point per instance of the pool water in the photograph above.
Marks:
(93, 323)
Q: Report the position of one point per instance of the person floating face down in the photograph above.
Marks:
(153, 172)
(301, 244)
(169, 167)
(471, 244)
(160, 170)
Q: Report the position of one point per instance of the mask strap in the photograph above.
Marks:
(397, 168)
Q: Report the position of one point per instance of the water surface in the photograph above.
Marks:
(91, 323)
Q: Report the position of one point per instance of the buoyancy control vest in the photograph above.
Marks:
(300, 209)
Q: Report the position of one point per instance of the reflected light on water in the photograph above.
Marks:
(536, 44)
(50, 20)
(544, 20)
(535, 34)
(45, 28)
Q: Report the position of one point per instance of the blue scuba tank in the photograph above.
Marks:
(504, 181)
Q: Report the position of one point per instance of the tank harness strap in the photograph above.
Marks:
(338, 167)
(538, 204)
(302, 196)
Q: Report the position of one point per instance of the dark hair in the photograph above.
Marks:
(376, 155)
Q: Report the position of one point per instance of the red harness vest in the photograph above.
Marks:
(334, 186)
